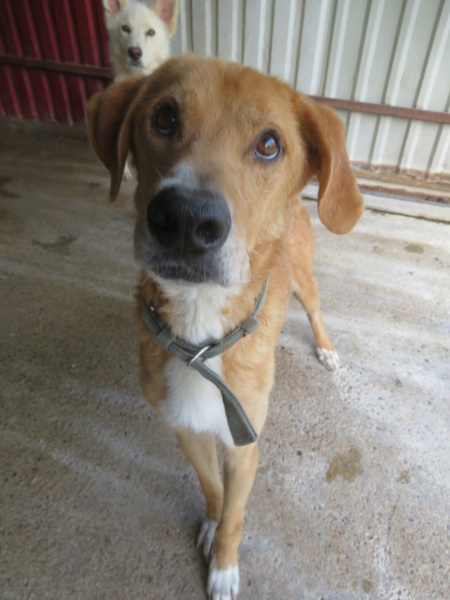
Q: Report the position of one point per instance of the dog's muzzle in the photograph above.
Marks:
(188, 222)
(135, 55)
(189, 226)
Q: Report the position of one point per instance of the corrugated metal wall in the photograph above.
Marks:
(371, 59)
(374, 52)
(53, 56)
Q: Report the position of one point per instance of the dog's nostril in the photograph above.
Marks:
(164, 220)
(209, 232)
(164, 226)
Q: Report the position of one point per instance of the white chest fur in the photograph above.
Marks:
(192, 402)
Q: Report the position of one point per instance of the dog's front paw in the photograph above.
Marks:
(223, 584)
(127, 173)
(329, 359)
(206, 537)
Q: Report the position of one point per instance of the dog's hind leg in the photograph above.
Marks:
(305, 289)
(200, 449)
(301, 251)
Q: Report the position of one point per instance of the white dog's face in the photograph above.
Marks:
(139, 41)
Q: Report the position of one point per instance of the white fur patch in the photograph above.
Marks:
(196, 309)
(193, 402)
(329, 359)
(223, 584)
(127, 172)
(206, 537)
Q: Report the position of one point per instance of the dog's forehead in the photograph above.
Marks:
(212, 88)
(137, 14)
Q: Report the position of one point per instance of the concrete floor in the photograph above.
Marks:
(351, 500)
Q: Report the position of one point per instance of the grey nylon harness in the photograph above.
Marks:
(195, 356)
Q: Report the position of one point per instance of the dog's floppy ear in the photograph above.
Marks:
(167, 11)
(340, 202)
(109, 121)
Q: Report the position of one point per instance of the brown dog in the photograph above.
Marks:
(222, 153)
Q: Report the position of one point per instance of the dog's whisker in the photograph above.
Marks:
(253, 251)
(250, 262)
(157, 170)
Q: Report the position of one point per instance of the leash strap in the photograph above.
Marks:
(195, 356)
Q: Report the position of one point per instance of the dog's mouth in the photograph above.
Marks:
(135, 63)
(197, 271)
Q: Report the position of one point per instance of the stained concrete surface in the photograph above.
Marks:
(351, 499)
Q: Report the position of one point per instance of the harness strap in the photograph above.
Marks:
(195, 356)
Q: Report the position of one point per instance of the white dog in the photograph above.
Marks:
(139, 35)
(139, 38)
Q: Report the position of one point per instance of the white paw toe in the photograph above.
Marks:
(329, 359)
(206, 537)
(223, 584)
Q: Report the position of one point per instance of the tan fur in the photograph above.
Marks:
(227, 106)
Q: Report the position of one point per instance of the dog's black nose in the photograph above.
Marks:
(135, 53)
(189, 221)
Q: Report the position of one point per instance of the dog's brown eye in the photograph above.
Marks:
(126, 29)
(267, 146)
(150, 32)
(165, 120)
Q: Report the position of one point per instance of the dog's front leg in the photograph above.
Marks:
(200, 449)
(240, 465)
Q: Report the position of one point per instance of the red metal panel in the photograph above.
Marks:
(9, 96)
(45, 28)
(20, 77)
(8, 91)
(30, 46)
(47, 32)
(87, 40)
(68, 43)
(102, 35)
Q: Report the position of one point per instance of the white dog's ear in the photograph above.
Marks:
(167, 11)
(340, 203)
(109, 123)
(112, 7)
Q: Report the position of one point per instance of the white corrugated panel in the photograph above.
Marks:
(394, 52)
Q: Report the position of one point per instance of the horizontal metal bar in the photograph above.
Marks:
(54, 65)
(395, 204)
(386, 110)
(351, 105)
